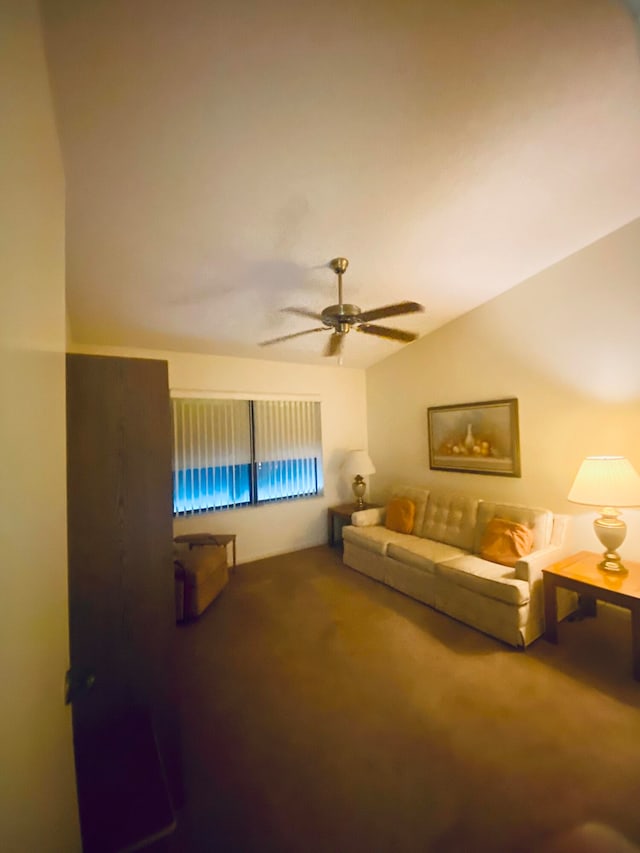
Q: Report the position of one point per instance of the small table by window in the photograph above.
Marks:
(343, 513)
(195, 539)
(581, 574)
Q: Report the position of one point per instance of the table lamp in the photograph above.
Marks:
(609, 482)
(358, 464)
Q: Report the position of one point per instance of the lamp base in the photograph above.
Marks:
(359, 488)
(612, 563)
(611, 531)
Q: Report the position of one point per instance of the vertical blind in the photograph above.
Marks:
(211, 453)
(229, 453)
(288, 445)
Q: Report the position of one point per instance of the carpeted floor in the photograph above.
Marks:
(322, 711)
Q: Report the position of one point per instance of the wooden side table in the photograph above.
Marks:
(581, 574)
(343, 513)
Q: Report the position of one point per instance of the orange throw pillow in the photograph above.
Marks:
(506, 541)
(401, 513)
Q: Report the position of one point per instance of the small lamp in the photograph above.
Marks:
(358, 464)
(608, 482)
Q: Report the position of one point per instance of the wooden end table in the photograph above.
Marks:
(343, 513)
(581, 574)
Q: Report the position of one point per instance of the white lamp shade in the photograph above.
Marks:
(606, 481)
(358, 462)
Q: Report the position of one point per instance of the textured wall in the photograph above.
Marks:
(37, 783)
(565, 343)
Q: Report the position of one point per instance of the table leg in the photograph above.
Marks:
(635, 641)
(332, 532)
(550, 610)
(233, 543)
(588, 605)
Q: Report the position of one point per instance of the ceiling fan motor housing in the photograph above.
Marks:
(338, 316)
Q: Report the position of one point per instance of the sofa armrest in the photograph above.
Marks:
(368, 517)
(530, 568)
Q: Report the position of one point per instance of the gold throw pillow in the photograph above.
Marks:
(505, 542)
(401, 513)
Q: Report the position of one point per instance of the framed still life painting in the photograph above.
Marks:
(475, 438)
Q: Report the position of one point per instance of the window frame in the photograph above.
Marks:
(254, 465)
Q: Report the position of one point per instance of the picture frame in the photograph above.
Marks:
(475, 438)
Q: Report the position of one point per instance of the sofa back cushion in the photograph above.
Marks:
(450, 518)
(418, 497)
(505, 542)
(539, 520)
(401, 513)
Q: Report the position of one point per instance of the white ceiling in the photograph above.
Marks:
(219, 153)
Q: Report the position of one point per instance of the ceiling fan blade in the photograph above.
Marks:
(302, 312)
(385, 332)
(288, 337)
(334, 344)
(390, 311)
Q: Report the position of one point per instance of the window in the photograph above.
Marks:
(229, 453)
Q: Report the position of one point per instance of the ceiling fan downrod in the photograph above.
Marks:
(339, 266)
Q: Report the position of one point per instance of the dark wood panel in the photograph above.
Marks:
(127, 804)
(121, 599)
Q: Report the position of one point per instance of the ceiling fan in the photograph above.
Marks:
(341, 318)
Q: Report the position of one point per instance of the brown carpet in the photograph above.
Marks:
(322, 711)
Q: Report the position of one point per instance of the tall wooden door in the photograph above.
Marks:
(121, 599)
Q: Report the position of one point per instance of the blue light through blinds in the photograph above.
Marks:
(230, 453)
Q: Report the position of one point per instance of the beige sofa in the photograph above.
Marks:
(438, 563)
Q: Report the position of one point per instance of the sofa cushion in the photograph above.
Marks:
(374, 539)
(505, 541)
(422, 553)
(484, 578)
(450, 518)
(401, 513)
(419, 498)
(539, 520)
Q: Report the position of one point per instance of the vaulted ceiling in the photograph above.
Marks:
(219, 153)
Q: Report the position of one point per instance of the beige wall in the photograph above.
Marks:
(290, 525)
(566, 343)
(37, 784)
